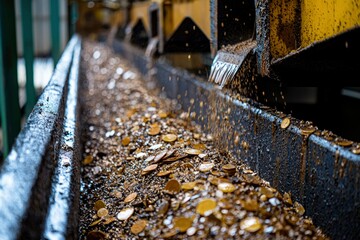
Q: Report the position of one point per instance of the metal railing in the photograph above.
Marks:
(9, 90)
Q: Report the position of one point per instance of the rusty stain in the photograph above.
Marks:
(303, 165)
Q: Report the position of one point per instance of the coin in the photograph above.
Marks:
(99, 204)
(226, 187)
(250, 224)
(169, 138)
(285, 123)
(182, 223)
(125, 213)
(138, 226)
(206, 166)
(172, 186)
(206, 206)
(130, 197)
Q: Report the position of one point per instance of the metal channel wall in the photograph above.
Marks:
(40, 178)
(323, 176)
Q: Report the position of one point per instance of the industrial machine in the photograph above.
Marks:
(241, 58)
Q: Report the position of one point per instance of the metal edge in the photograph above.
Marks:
(22, 170)
(63, 211)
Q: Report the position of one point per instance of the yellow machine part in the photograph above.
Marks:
(321, 19)
(90, 19)
(197, 10)
(118, 18)
(299, 23)
(140, 11)
(283, 20)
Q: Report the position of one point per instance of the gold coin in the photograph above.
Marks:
(88, 159)
(250, 205)
(169, 138)
(307, 131)
(192, 151)
(163, 208)
(163, 173)
(213, 180)
(182, 223)
(102, 212)
(299, 208)
(285, 123)
(109, 219)
(267, 192)
(251, 224)
(206, 206)
(188, 185)
(215, 173)
(131, 112)
(287, 198)
(96, 222)
(172, 186)
(138, 226)
(229, 168)
(356, 150)
(199, 146)
(125, 141)
(99, 204)
(130, 197)
(344, 143)
(154, 129)
(162, 114)
(226, 187)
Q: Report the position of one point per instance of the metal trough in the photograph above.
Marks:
(39, 180)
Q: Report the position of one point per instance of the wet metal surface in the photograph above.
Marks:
(25, 175)
(63, 208)
(321, 174)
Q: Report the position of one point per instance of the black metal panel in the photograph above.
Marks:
(323, 176)
(139, 36)
(232, 22)
(188, 37)
(332, 62)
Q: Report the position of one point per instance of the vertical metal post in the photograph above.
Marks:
(9, 90)
(55, 29)
(69, 18)
(3, 100)
(72, 17)
(28, 48)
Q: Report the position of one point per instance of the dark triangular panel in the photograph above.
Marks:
(139, 35)
(188, 38)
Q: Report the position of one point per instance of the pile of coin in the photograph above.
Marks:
(149, 172)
